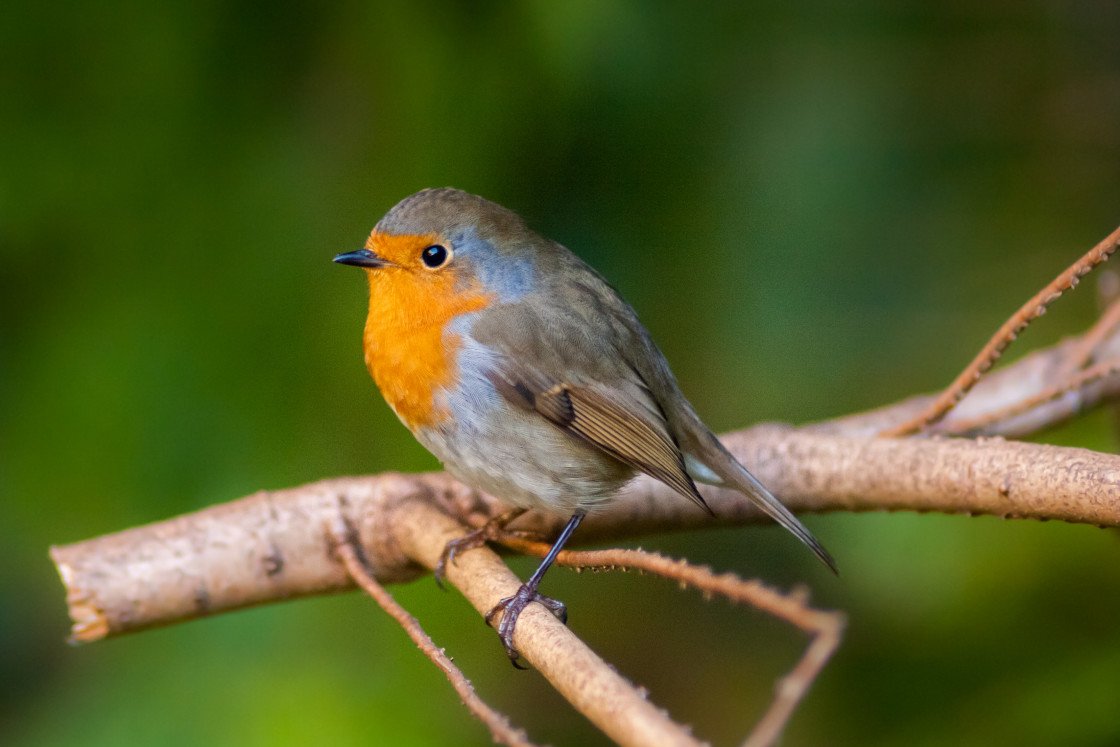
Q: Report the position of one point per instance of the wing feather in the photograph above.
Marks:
(631, 432)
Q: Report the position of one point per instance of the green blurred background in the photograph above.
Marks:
(816, 208)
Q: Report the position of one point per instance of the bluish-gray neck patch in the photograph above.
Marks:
(508, 276)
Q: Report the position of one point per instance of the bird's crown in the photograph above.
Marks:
(447, 211)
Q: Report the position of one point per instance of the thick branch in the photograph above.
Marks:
(1002, 478)
(262, 548)
(271, 546)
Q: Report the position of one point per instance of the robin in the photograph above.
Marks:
(527, 375)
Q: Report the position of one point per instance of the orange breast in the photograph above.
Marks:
(407, 350)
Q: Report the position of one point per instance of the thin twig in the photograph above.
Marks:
(991, 352)
(1076, 382)
(825, 627)
(348, 552)
(1082, 354)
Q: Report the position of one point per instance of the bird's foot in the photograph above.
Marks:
(511, 608)
(488, 532)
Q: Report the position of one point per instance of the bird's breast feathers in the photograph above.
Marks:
(409, 350)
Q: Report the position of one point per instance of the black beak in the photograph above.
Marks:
(361, 258)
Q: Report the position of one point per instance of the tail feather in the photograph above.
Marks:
(729, 473)
(762, 498)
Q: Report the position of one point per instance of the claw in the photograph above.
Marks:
(511, 608)
(488, 532)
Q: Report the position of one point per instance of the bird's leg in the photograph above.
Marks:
(511, 607)
(488, 532)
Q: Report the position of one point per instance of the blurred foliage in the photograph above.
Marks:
(816, 207)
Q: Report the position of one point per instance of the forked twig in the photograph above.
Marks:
(1082, 354)
(1074, 383)
(991, 352)
(825, 627)
(349, 552)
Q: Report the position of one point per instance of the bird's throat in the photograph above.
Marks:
(409, 350)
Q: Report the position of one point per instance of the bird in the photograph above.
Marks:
(528, 376)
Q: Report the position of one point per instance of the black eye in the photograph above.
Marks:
(435, 255)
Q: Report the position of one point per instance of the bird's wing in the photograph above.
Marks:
(616, 421)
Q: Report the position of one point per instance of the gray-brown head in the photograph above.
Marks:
(451, 232)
